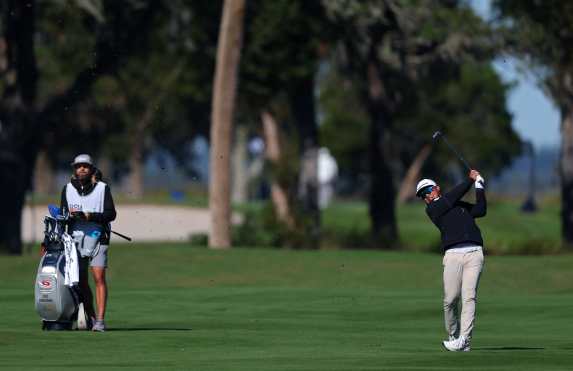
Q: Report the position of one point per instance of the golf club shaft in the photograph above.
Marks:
(121, 235)
(456, 152)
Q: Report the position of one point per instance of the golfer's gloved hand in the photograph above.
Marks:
(480, 182)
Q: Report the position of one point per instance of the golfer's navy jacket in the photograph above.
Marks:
(455, 218)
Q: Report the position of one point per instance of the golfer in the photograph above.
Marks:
(90, 203)
(463, 253)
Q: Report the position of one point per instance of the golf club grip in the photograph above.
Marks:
(121, 235)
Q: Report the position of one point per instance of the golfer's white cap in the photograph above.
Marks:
(83, 159)
(423, 184)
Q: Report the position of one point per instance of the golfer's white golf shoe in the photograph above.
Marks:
(460, 344)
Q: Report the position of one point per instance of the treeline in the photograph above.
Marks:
(369, 79)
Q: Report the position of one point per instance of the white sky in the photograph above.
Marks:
(535, 117)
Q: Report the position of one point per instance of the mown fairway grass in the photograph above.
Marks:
(506, 230)
(174, 307)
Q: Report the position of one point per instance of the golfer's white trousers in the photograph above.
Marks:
(462, 270)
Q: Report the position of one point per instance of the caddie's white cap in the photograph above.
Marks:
(83, 159)
(423, 184)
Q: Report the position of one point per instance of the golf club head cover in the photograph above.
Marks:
(54, 210)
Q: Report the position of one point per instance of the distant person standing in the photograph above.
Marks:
(463, 260)
(90, 204)
(327, 173)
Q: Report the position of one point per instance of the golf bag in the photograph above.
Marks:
(56, 303)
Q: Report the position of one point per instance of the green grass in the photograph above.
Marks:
(506, 230)
(174, 307)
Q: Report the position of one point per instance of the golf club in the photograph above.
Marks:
(122, 236)
(438, 134)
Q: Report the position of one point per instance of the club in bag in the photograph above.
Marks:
(122, 236)
(437, 135)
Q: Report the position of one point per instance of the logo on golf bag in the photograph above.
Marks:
(45, 284)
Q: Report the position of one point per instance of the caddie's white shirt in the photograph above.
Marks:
(91, 203)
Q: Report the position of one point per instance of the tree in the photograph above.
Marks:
(388, 46)
(121, 32)
(468, 103)
(344, 128)
(274, 154)
(18, 110)
(176, 79)
(282, 54)
(159, 100)
(133, 102)
(541, 33)
(224, 91)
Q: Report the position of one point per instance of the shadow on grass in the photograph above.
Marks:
(508, 348)
(147, 329)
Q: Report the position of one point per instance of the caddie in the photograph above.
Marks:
(463, 260)
(91, 208)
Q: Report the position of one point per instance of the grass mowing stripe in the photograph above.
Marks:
(265, 309)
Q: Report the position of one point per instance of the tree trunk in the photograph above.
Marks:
(566, 168)
(279, 195)
(10, 226)
(240, 174)
(14, 183)
(18, 141)
(408, 187)
(224, 91)
(304, 110)
(44, 179)
(135, 177)
(382, 193)
(17, 150)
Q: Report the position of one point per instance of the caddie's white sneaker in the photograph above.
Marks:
(460, 344)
